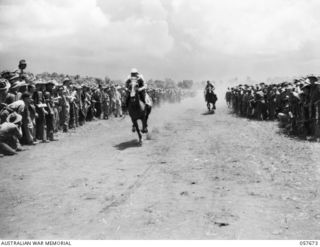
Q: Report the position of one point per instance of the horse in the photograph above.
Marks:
(138, 110)
(211, 98)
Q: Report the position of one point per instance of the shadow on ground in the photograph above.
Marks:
(129, 144)
(207, 113)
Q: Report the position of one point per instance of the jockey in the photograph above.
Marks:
(135, 75)
(209, 87)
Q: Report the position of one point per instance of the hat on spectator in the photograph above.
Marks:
(66, 79)
(14, 77)
(22, 61)
(312, 78)
(39, 82)
(52, 82)
(17, 84)
(14, 118)
(4, 84)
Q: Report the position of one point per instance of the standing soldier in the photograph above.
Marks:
(50, 117)
(73, 106)
(39, 101)
(105, 103)
(65, 104)
(22, 66)
(314, 96)
(97, 96)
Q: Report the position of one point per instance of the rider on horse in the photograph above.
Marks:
(138, 103)
(209, 87)
(210, 96)
(135, 75)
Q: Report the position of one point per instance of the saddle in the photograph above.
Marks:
(210, 96)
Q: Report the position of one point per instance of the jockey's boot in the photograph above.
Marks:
(143, 97)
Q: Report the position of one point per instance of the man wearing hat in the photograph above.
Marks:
(28, 125)
(4, 87)
(65, 104)
(73, 107)
(10, 133)
(14, 94)
(22, 66)
(40, 105)
(105, 103)
(97, 96)
(52, 100)
(312, 89)
(314, 93)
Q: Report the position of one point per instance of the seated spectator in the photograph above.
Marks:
(10, 133)
(4, 87)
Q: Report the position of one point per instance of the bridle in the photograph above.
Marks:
(133, 89)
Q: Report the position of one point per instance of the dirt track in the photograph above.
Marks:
(196, 177)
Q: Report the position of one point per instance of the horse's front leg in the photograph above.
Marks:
(144, 125)
(134, 128)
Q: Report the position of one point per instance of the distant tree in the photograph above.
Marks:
(186, 84)
(107, 79)
(169, 83)
(150, 83)
(159, 83)
(98, 81)
(118, 82)
(248, 79)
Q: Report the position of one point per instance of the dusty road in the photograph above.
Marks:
(196, 177)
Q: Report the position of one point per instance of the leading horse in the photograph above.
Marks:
(138, 110)
(211, 98)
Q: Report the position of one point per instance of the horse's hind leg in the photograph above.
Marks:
(145, 120)
(134, 124)
(144, 125)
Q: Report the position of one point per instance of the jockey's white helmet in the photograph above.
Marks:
(134, 71)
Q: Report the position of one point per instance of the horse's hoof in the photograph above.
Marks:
(144, 131)
(140, 142)
(133, 129)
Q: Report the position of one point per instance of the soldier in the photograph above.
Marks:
(41, 106)
(97, 96)
(28, 125)
(50, 108)
(65, 104)
(314, 97)
(105, 103)
(4, 88)
(10, 133)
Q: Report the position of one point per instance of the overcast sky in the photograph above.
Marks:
(196, 39)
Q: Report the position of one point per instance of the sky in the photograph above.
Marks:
(178, 39)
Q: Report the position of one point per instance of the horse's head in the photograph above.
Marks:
(134, 88)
